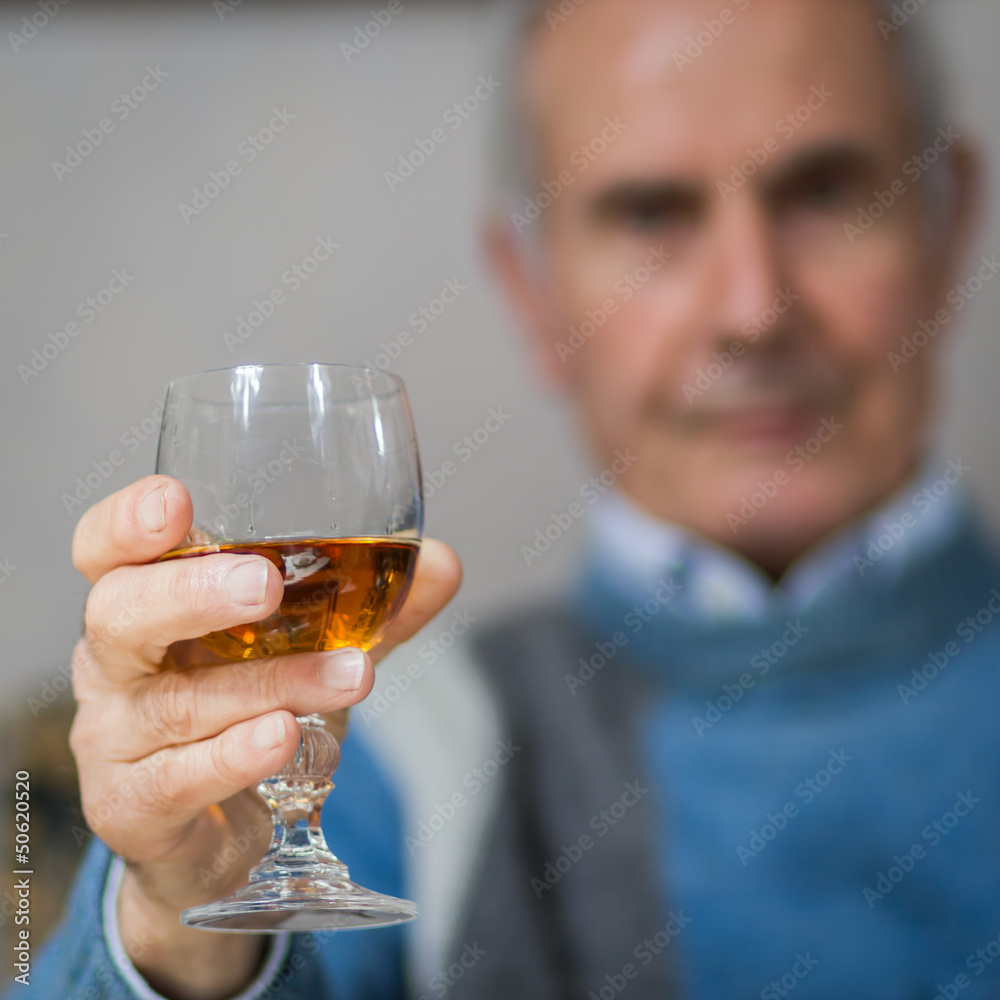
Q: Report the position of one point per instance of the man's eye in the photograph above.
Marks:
(824, 192)
(657, 214)
(830, 189)
(647, 211)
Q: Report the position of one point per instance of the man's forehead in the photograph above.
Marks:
(692, 58)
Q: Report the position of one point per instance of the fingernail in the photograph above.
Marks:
(344, 669)
(268, 733)
(247, 583)
(153, 510)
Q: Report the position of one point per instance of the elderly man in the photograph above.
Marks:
(753, 752)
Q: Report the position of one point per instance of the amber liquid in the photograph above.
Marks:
(338, 592)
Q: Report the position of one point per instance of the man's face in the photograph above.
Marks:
(697, 292)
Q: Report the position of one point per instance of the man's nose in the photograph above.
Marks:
(750, 274)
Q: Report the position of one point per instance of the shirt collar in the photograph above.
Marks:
(638, 551)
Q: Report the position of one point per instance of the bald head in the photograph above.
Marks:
(548, 39)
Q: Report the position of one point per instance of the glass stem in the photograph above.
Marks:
(296, 795)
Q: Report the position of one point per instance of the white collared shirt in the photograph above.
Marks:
(720, 584)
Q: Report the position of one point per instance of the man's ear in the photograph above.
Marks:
(964, 207)
(523, 283)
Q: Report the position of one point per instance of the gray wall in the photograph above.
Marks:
(323, 175)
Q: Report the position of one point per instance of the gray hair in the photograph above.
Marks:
(516, 175)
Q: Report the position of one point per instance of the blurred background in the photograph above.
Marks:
(234, 138)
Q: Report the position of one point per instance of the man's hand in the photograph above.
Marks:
(169, 742)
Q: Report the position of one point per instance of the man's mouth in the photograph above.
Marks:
(772, 425)
(766, 423)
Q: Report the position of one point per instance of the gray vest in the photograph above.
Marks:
(565, 898)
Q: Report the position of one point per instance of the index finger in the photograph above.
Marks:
(134, 525)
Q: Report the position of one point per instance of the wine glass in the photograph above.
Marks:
(314, 467)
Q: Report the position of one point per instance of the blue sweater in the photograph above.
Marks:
(828, 784)
(826, 789)
(360, 819)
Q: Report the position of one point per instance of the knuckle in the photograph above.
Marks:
(80, 739)
(164, 709)
(82, 670)
(192, 584)
(122, 518)
(89, 805)
(162, 783)
(162, 788)
(221, 754)
(111, 528)
(95, 533)
(111, 611)
(95, 613)
(264, 686)
(107, 801)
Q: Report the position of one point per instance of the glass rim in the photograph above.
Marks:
(395, 380)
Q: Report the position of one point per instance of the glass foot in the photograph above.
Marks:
(300, 884)
(300, 904)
